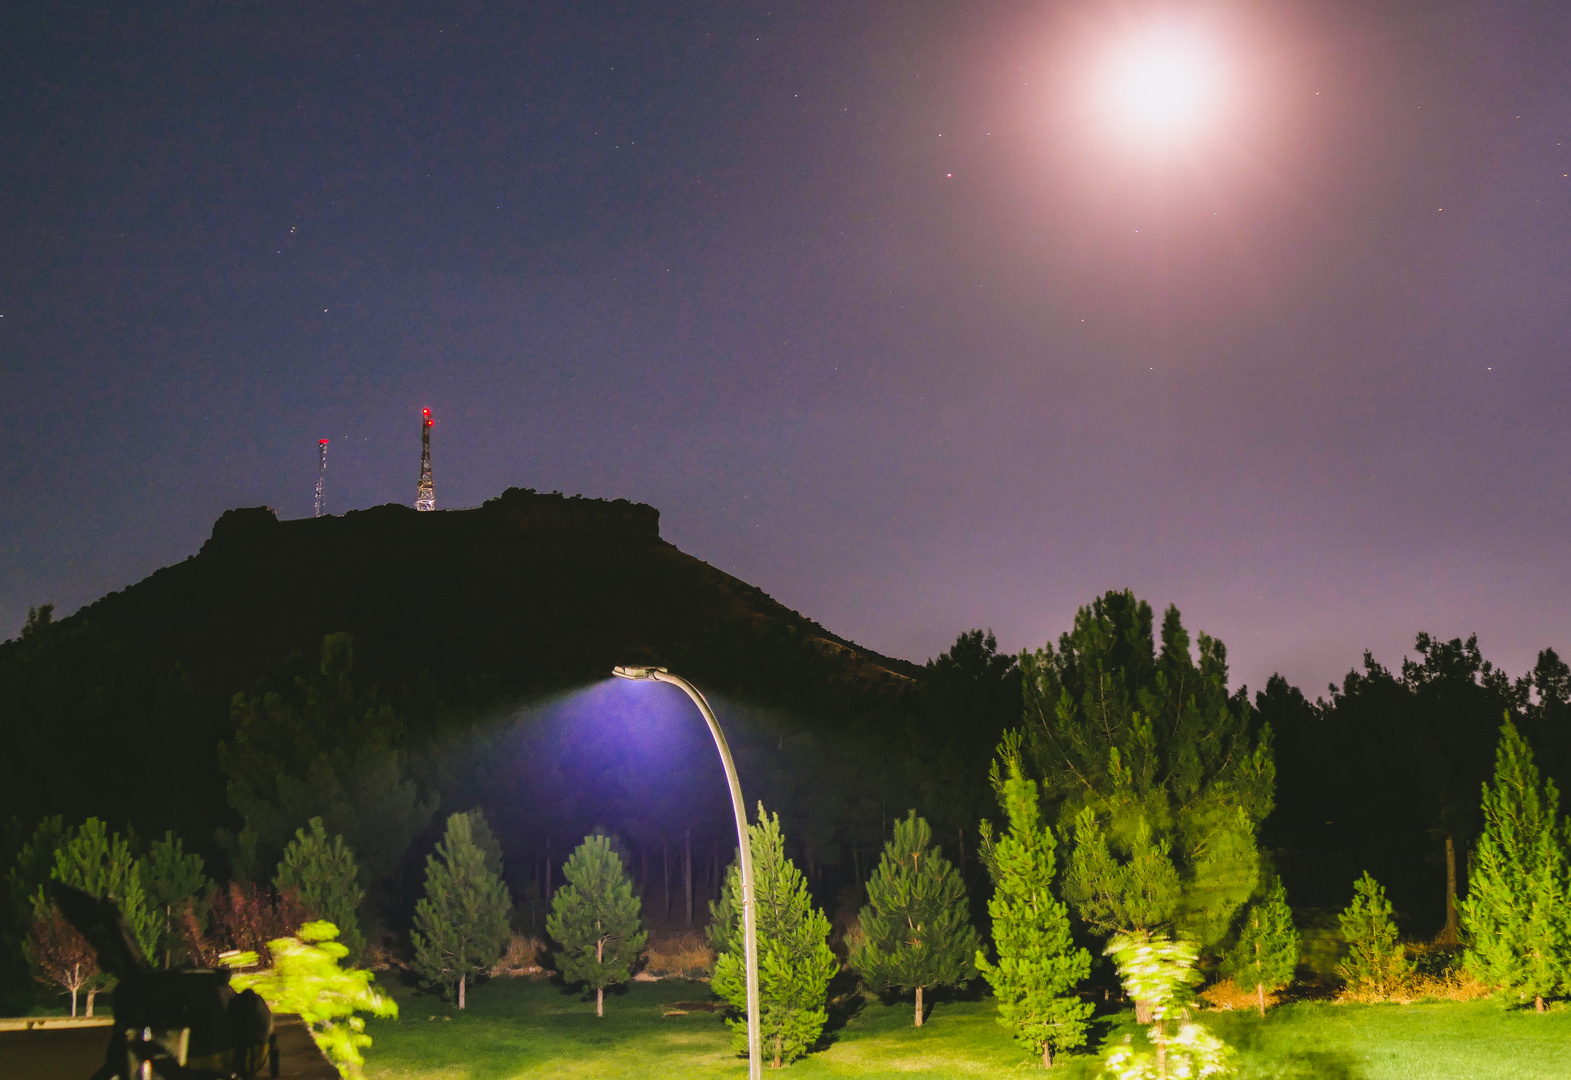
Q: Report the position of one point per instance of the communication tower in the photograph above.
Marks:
(425, 494)
(321, 479)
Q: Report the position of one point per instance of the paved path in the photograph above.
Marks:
(60, 1052)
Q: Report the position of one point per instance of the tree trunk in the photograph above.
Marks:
(1143, 1013)
(1452, 932)
(687, 872)
(1260, 990)
(76, 976)
(1538, 1003)
(919, 1006)
(1161, 1050)
(1047, 1056)
(460, 991)
(600, 1001)
(779, 1049)
(91, 994)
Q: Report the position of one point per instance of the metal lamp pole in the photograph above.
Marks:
(755, 1057)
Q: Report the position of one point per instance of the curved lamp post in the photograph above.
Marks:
(744, 849)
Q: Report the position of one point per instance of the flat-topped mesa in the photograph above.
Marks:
(532, 511)
(522, 511)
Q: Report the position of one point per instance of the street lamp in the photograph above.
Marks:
(755, 1055)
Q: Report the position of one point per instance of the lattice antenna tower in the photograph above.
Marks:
(321, 479)
(425, 494)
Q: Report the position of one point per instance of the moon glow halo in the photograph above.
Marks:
(1161, 87)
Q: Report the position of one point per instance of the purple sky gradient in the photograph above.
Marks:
(852, 292)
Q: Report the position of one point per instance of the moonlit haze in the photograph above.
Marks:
(1164, 84)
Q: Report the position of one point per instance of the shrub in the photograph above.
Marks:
(1227, 996)
(240, 918)
(305, 979)
(1159, 972)
(1376, 967)
(684, 955)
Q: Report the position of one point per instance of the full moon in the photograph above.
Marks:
(1162, 86)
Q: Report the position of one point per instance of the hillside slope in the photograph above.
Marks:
(529, 593)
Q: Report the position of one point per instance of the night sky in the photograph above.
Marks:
(872, 300)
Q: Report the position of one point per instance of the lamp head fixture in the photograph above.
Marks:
(629, 671)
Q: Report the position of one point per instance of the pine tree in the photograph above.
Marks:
(34, 866)
(99, 863)
(795, 963)
(1038, 965)
(1158, 767)
(596, 919)
(322, 874)
(1267, 952)
(171, 879)
(1376, 961)
(486, 841)
(1516, 911)
(461, 926)
(327, 746)
(916, 930)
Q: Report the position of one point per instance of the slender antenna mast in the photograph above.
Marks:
(425, 494)
(321, 480)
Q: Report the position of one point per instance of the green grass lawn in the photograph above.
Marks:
(521, 1028)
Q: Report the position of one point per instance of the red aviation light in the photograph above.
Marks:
(323, 442)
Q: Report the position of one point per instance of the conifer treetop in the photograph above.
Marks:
(1155, 769)
(321, 873)
(1038, 965)
(795, 962)
(1267, 952)
(1376, 962)
(100, 863)
(916, 929)
(1519, 890)
(596, 918)
(461, 926)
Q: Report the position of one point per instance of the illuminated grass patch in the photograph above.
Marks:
(517, 1028)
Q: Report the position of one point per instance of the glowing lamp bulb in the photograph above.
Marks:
(636, 671)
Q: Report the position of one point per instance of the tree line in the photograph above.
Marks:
(1141, 797)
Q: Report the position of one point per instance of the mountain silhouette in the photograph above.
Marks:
(117, 710)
